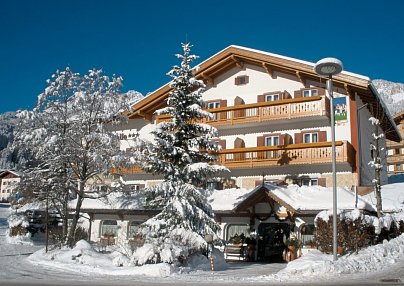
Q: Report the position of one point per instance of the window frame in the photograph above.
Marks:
(215, 103)
(272, 96)
(271, 137)
(311, 92)
(114, 232)
(311, 137)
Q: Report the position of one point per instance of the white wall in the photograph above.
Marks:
(259, 82)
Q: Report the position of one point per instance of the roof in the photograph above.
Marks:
(233, 56)
(5, 172)
(294, 198)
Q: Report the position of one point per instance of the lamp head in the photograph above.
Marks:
(328, 67)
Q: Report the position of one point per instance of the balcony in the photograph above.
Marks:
(127, 170)
(256, 113)
(294, 154)
(309, 157)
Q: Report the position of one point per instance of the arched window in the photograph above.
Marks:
(109, 228)
(133, 228)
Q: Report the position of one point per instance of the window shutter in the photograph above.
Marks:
(261, 98)
(288, 139)
(282, 139)
(223, 103)
(247, 79)
(298, 93)
(322, 136)
(321, 91)
(260, 141)
(222, 143)
(322, 182)
(237, 81)
(298, 138)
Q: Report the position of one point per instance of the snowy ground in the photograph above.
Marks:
(379, 265)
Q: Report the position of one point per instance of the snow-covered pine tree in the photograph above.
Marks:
(183, 153)
(67, 134)
(377, 150)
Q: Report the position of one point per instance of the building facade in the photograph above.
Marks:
(9, 181)
(395, 150)
(273, 118)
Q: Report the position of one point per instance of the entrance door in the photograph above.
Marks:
(271, 237)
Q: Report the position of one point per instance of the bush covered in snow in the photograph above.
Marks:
(355, 230)
(18, 224)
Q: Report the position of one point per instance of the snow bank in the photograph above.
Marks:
(317, 264)
(85, 258)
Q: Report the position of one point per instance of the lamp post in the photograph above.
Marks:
(329, 67)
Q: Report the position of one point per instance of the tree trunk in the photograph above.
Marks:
(76, 216)
(378, 162)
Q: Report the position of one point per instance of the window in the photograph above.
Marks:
(133, 228)
(398, 167)
(109, 228)
(397, 151)
(271, 97)
(272, 141)
(237, 230)
(213, 104)
(307, 234)
(309, 182)
(241, 80)
(310, 137)
(310, 92)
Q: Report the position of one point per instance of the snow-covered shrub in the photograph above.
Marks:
(355, 230)
(18, 224)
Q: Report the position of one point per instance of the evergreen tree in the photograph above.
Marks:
(183, 153)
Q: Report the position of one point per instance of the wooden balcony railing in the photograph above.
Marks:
(266, 111)
(395, 158)
(294, 154)
(126, 170)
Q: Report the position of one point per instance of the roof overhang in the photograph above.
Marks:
(236, 56)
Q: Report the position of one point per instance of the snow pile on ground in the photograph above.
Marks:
(86, 258)
(317, 264)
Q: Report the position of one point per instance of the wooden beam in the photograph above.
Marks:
(301, 79)
(268, 69)
(209, 80)
(145, 115)
(238, 62)
(349, 91)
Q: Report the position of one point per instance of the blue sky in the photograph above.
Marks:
(138, 39)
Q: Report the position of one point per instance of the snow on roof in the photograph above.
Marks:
(318, 198)
(392, 197)
(228, 199)
(304, 198)
(115, 201)
(16, 173)
(314, 198)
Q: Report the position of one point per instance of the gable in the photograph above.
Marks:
(220, 68)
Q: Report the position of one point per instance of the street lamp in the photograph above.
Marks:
(329, 67)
